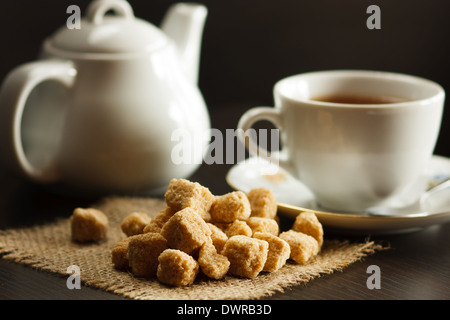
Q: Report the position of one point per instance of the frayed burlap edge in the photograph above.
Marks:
(49, 248)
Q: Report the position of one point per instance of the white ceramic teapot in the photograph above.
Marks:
(98, 110)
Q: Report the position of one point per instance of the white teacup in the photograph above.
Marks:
(353, 155)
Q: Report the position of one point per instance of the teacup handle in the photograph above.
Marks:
(246, 122)
(14, 94)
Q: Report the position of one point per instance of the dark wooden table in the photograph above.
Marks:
(416, 267)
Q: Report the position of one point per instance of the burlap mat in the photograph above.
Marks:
(49, 248)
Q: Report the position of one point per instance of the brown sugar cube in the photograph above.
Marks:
(212, 264)
(152, 227)
(247, 255)
(308, 223)
(143, 252)
(186, 231)
(119, 254)
(135, 223)
(218, 237)
(156, 224)
(177, 268)
(303, 247)
(183, 193)
(238, 227)
(263, 203)
(259, 224)
(279, 251)
(230, 207)
(88, 225)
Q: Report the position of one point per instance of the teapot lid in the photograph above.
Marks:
(107, 34)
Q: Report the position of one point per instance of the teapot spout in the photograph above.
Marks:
(184, 24)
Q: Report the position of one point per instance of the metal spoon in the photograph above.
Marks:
(414, 210)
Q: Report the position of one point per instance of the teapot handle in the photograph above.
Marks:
(14, 94)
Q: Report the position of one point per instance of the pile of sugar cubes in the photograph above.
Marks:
(236, 234)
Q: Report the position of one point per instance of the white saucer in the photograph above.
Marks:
(294, 197)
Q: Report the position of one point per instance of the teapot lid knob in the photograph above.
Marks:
(102, 34)
(98, 9)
